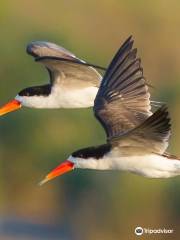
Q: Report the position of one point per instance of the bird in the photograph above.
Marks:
(136, 138)
(73, 82)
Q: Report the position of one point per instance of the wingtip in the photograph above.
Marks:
(129, 40)
(130, 37)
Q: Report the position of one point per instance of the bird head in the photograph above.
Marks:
(72, 162)
(83, 158)
(28, 97)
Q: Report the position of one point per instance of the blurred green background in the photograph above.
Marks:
(82, 204)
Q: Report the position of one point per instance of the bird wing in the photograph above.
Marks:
(42, 48)
(150, 136)
(122, 101)
(63, 66)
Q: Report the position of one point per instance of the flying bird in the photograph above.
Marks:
(136, 138)
(73, 82)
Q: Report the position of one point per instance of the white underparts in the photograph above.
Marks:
(152, 165)
(61, 98)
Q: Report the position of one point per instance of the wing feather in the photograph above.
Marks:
(63, 66)
(151, 136)
(123, 100)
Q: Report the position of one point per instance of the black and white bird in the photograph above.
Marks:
(73, 82)
(136, 138)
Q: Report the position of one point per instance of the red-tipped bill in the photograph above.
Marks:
(10, 106)
(64, 167)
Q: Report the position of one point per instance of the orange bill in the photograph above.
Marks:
(64, 167)
(10, 106)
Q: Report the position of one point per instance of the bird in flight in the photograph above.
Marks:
(73, 82)
(136, 138)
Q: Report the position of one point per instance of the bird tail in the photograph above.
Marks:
(171, 156)
(175, 163)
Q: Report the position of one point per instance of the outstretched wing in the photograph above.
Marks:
(62, 64)
(151, 136)
(122, 101)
